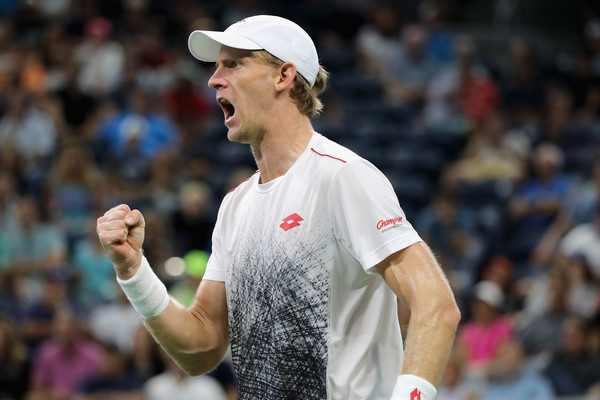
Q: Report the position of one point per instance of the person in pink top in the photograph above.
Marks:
(64, 361)
(479, 339)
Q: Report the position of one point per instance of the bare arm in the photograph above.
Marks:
(415, 276)
(195, 337)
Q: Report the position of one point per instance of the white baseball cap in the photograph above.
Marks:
(281, 37)
(489, 292)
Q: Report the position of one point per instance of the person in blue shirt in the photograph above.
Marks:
(510, 378)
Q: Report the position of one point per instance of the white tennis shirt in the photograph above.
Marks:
(309, 315)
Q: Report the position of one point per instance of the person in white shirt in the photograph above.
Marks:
(175, 384)
(309, 254)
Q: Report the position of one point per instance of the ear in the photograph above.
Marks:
(285, 77)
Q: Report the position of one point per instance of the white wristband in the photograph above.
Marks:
(412, 387)
(145, 291)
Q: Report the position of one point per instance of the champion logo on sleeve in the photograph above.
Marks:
(291, 221)
(384, 225)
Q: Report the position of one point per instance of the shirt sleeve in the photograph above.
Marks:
(215, 268)
(367, 217)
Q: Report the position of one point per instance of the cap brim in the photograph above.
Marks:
(206, 45)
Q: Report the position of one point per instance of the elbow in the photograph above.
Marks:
(444, 313)
(446, 309)
(452, 315)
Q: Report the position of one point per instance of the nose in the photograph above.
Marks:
(216, 80)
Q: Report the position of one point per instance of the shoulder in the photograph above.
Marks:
(335, 162)
(328, 152)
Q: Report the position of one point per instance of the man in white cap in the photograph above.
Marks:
(309, 254)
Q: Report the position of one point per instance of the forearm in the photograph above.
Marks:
(196, 344)
(416, 278)
(429, 342)
(195, 337)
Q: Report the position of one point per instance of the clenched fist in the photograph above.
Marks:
(121, 232)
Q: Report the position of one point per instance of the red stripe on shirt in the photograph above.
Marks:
(327, 155)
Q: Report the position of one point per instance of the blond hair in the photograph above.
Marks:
(306, 97)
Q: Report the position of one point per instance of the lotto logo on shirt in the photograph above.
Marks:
(386, 224)
(291, 221)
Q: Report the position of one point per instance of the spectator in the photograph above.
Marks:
(63, 362)
(14, 361)
(544, 310)
(175, 384)
(186, 105)
(140, 131)
(155, 60)
(584, 292)
(478, 340)
(440, 40)
(460, 94)
(573, 369)
(452, 231)
(557, 115)
(77, 107)
(492, 153)
(522, 87)
(192, 223)
(406, 81)
(166, 177)
(114, 380)
(579, 209)
(536, 203)
(116, 322)
(33, 245)
(29, 128)
(510, 378)
(584, 239)
(37, 317)
(102, 59)
(95, 273)
(71, 191)
(378, 40)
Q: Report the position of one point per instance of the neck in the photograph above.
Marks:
(281, 146)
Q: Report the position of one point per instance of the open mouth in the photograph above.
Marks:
(228, 109)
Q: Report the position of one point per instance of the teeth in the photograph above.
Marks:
(223, 101)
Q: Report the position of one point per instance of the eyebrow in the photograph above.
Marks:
(227, 60)
(237, 55)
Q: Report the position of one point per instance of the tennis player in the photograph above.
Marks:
(309, 254)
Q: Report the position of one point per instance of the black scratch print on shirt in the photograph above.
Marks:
(278, 313)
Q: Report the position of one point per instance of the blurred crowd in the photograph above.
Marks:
(493, 148)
